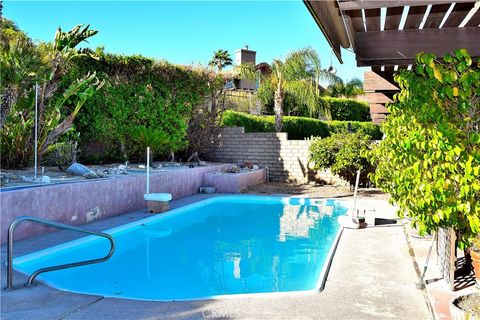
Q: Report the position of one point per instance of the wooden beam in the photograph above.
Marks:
(393, 17)
(376, 4)
(415, 16)
(474, 21)
(372, 19)
(436, 15)
(399, 47)
(459, 12)
(329, 20)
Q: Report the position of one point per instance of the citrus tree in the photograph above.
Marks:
(430, 159)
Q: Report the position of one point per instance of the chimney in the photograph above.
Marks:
(242, 56)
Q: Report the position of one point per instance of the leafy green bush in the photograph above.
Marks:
(148, 137)
(299, 127)
(343, 154)
(430, 159)
(347, 109)
(139, 92)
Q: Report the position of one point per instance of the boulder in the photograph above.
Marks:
(78, 169)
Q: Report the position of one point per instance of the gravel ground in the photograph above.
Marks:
(315, 190)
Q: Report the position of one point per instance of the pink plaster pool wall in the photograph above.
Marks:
(234, 182)
(77, 203)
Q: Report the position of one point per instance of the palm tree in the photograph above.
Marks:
(298, 75)
(221, 58)
(349, 89)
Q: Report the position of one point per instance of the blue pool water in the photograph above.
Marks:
(220, 246)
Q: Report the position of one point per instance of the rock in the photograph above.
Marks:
(121, 169)
(78, 169)
(27, 179)
(4, 181)
(249, 164)
(91, 175)
(159, 166)
(232, 169)
(202, 163)
(142, 166)
(255, 167)
(45, 179)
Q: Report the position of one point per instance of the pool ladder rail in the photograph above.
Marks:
(31, 278)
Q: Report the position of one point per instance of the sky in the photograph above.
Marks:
(184, 32)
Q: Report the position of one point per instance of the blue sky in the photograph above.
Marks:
(184, 32)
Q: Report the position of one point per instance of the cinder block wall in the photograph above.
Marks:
(287, 160)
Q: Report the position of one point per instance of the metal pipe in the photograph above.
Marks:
(148, 170)
(425, 267)
(11, 230)
(36, 133)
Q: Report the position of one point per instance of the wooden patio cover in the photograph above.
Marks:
(386, 34)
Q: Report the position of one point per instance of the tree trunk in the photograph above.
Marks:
(278, 109)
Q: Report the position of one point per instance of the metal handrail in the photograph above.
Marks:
(57, 225)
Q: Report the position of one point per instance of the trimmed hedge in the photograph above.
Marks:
(138, 91)
(348, 109)
(298, 127)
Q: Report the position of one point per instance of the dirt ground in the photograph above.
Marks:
(315, 190)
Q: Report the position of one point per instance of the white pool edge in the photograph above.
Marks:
(125, 227)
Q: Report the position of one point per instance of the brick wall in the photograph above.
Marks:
(287, 160)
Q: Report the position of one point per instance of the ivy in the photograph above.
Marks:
(139, 91)
(430, 159)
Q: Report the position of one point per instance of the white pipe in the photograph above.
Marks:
(36, 133)
(148, 170)
(350, 220)
(355, 192)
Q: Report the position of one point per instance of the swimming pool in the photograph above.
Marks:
(222, 246)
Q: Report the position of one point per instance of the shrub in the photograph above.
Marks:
(148, 137)
(299, 127)
(430, 159)
(61, 154)
(139, 92)
(347, 109)
(343, 154)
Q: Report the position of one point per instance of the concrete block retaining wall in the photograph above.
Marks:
(287, 160)
(81, 202)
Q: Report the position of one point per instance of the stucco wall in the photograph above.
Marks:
(77, 203)
(287, 160)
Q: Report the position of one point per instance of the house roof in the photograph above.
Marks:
(386, 34)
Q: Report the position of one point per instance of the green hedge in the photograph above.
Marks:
(298, 127)
(348, 109)
(138, 91)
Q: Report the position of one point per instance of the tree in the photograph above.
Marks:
(221, 58)
(23, 65)
(429, 161)
(349, 89)
(298, 75)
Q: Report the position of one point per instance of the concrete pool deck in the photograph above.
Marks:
(371, 277)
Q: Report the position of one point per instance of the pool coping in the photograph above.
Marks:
(294, 200)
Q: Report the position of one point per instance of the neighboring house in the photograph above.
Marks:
(240, 96)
